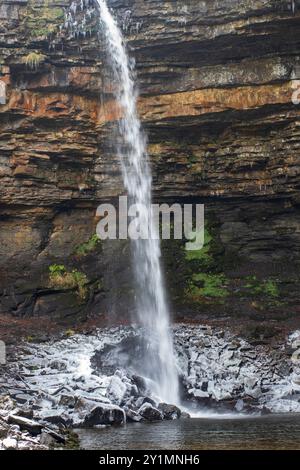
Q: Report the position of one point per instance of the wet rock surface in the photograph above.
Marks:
(169, 411)
(64, 389)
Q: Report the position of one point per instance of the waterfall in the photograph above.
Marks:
(151, 303)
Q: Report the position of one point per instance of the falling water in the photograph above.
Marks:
(150, 297)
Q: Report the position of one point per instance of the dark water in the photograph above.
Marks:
(272, 432)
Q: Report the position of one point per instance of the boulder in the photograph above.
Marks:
(58, 365)
(140, 382)
(58, 437)
(133, 416)
(25, 413)
(50, 437)
(47, 440)
(56, 417)
(25, 424)
(141, 400)
(185, 415)
(91, 413)
(200, 394)
(22, 398)
(150, 413)
(104, 415)
(117, 389)
(250, 382)
(169, 411)
(255, 392)
(67, 400)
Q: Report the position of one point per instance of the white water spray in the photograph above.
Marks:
(150, 297)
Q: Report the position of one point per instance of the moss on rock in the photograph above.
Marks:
(61, 278)
(42, 21)
(34, 59)
(91, 245)
(207, 286)
(265, 287)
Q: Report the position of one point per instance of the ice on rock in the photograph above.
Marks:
(250, 382)
(149, 412)
(194, 356)
(294, 337)
(116, 389)
(199, 393)
(239, 406)
(9, 443)
(284, 406)
(208, 375)
(221, 394)
(234, 369)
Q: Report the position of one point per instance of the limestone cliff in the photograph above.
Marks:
(216, 80)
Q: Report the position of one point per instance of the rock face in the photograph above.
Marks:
(218, 99)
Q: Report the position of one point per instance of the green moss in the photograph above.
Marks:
(69, 333)
(206, 282)
(42, 21)
(204, 254)
(57, 269)
(91, 245)
(81, 281)
(207, 285)
(72, 440)
(266, 287)
(271, 288)
(60, 278)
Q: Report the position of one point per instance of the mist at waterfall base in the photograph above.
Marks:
(151, 305)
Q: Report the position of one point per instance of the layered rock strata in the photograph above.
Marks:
(217, 83)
